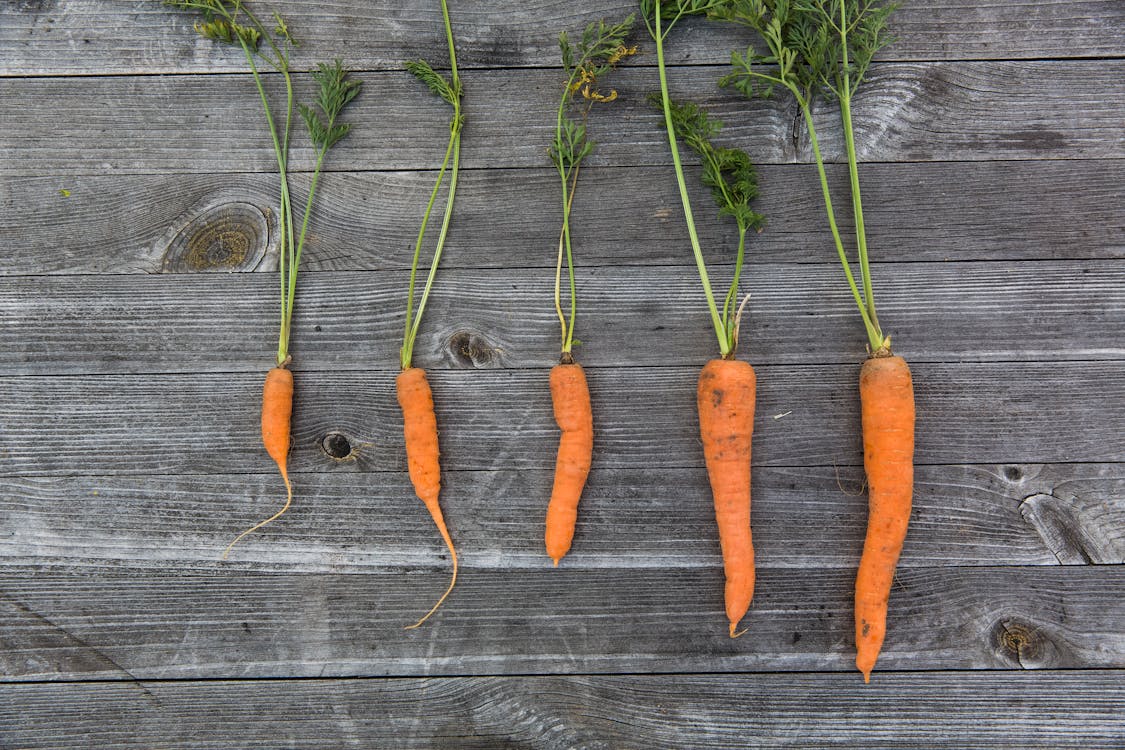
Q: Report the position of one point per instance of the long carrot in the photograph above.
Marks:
(414, 395)
(887, 399)
(277, 411)
(571, 397)
(726, 389)
(421, 437)
(726, 425)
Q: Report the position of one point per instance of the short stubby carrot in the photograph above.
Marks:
(574, 416)
(277, 412)
(887, 401)
(422, 457)
(726, 394)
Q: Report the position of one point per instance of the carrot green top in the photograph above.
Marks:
(232, 22)
(450, 91)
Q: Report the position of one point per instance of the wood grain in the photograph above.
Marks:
(799, 314)
(972, 111)
(41, 37)
(1012, 514)
(712, 712)
(999, 210)
(113, 623)
(645, 418)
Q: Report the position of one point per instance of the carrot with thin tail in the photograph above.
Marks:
(420, 433)
(232, 22)
(585, 62)
(825, 47)
(727, 387)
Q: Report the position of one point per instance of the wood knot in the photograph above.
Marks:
(228, 237)
(471, 350)
(1025, 645)
(337, 446)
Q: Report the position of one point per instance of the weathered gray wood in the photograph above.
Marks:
(803, 518)
(938, 710)
(112, 623)
(80, 36)
(711, 712)
(645, 418)
(1002, 210)
(506, 318)
(907, 112)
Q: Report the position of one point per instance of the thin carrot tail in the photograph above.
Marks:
(452, 553)
(274, 517)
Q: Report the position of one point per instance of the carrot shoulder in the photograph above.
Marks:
(887, 402)
(571, 398)
(421, 438)
(277, 412)
(726, 394)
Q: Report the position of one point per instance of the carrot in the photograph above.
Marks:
(414, 395)
(571, 398)
(419, 427)
(727, 386)
(726, 425)
(277, 410)
(887, 400)
(586, 62)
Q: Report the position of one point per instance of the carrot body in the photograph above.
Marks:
(571, 398)
(726, 395)
(887, 400)
(277, 411)
(421, 438)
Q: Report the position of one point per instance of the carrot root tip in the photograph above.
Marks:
(733, 634)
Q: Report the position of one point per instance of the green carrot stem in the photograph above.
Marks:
(418, 243)
(440, 245)
(857, 206)
(720, 332)
(873, 335)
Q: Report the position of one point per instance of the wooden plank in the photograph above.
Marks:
(973, 111)
(1002, 210)
(711, 712)
(113, 623)
(492, 419)
(42, 38)
(342, 523)
(505, 318)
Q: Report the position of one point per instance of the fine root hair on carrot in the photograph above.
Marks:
(452, 583)
(271, 519)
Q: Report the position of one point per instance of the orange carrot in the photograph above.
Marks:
(887, 400)
(421, 438)
(277, 410)
(726, 425)
(571, 398)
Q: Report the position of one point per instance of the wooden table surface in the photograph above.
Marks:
(992, 142)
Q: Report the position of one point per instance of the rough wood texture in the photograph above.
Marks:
(999, 210)
(505, 318)
(645, 418)
(906, 112)
(1011, 514)
(111, 623)
(41, 37)
(137, 242)
(712, 712)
